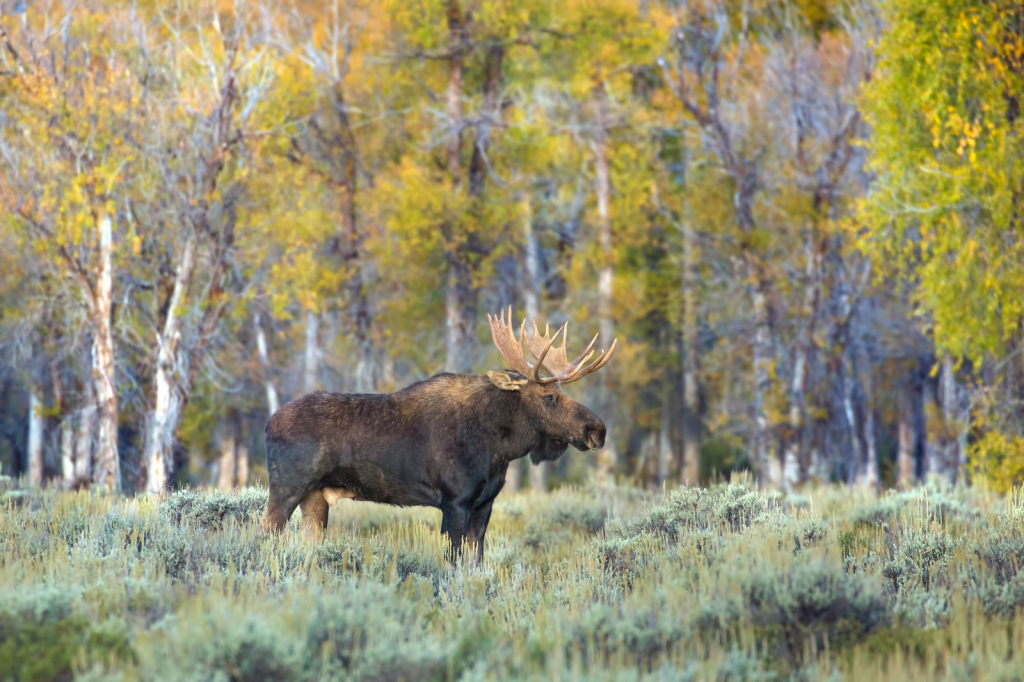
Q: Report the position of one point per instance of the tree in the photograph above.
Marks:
(67, 163)
(944, 211)
(198, 163)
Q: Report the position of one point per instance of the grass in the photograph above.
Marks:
(720, 584)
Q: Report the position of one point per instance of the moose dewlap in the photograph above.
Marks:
(444, 442)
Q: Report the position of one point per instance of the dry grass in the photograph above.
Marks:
(579, 584)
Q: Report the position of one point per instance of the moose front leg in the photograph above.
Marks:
(478, 521)
(454, 524)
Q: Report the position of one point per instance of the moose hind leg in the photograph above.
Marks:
(314, 512)
(280, 507)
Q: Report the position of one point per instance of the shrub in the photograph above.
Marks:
(814, 601)
(917, 559)
(357, 631)
(211, 510)
(734, 506)
(1002, 553)
(563, 518)
(929, 503)
(42, 634)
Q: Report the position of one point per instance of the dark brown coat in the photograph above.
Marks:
(445, 442)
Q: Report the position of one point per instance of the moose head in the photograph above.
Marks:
(559, 419)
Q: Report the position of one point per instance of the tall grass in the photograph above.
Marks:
(720, 584)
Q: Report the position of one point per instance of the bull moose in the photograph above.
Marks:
(443, 442)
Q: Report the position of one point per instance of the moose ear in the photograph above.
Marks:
(505, 382)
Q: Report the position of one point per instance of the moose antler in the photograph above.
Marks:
(553, 360)
(511, 348)
(556, 362)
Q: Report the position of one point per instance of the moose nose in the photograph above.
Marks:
(595, 436)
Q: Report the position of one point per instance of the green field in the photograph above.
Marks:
(720, 584)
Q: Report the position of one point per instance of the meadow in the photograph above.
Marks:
(726, 583)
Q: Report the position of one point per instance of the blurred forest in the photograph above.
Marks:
(801, 219)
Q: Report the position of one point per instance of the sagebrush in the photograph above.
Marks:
(607, 584)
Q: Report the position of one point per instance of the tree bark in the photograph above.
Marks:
(665, 454)
(869, 478)
(935, 455)
(531, 301)
(764, 355)
(905, 469)
(797, 464)
(107, 466)
(226, 464)
(241, 457)
(67, 449)
(311, 358)
(745, 176)
(608, 457)
(954, 446)
(347, 179)
(849, 377)
(514, 477)
(84, 441)
(67, 432)
(494, 62)
(273, 402)
(458, 352)
(453, 100)
(35, 432)
(689, 471)
(165, 416)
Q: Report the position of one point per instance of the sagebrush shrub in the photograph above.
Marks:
(43, 631)
(717, 584)
(212, 509)
(814, 601)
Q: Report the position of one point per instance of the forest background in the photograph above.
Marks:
(802, 220)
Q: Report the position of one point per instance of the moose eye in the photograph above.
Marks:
(549, 399)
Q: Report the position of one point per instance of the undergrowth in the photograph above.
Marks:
(719, 584)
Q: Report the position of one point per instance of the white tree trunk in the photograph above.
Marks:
(514, 477)
(608, 457)
(171, 368)
(67, 449)
(796, 463)
(665, 454)
(84, 442)
(792, 454)
(770, 466)
(531, 301)
(388, 373)
(67, 433)
(934, 452)
(689, 470)
(850, 411)
(531, 262)
(273, 402)
(870, 474)
(107, 466)
(905, 453)
(870, 478)
(311, 361)
(955, 420)
(242, 461)
(457, 352)
(226, 465)
(35, 435)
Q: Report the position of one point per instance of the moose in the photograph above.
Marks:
(444, 442)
